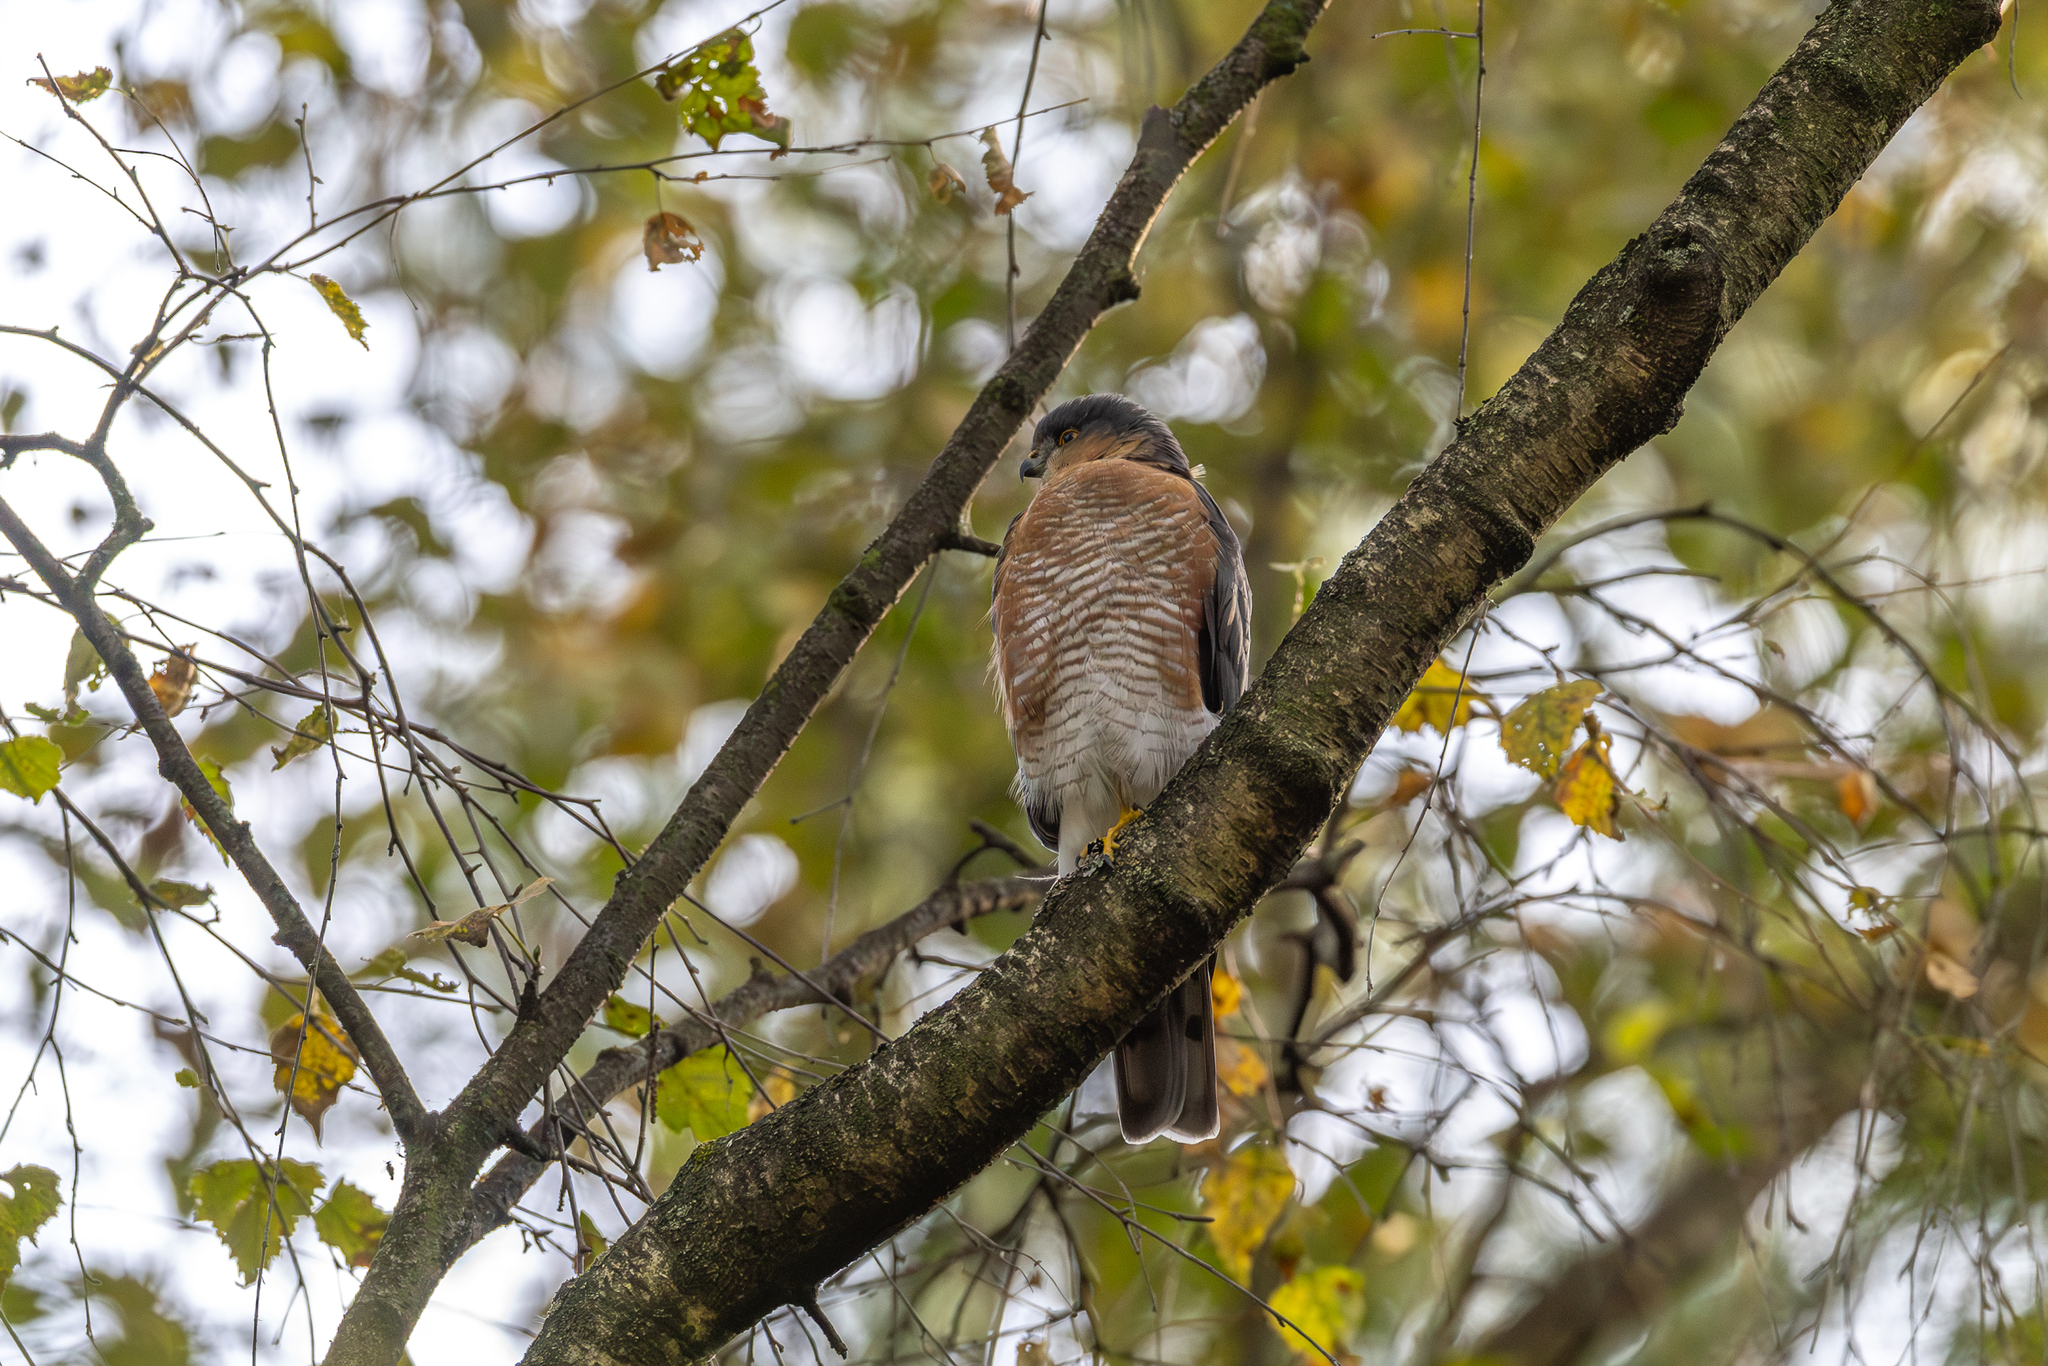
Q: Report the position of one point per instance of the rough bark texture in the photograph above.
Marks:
(430, 1223)
(756, 1221)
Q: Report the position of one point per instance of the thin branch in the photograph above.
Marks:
(408, 1116)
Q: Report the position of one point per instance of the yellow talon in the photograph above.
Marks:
(1131, 813)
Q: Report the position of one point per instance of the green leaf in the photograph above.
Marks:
(705, 1094)
(592, 1242)
(253, 1210)
(342, 307)
(19, 1304)
(86, 85)
(1537, 734)
(717, 91)
(33, 1204)
(628, 1019)
(218, 781)
(82, 665)
(187, 1078)
(392, 963)
(351, 1224)
(151, 1334)
(179, 894)
(29, 766)
(313, 731)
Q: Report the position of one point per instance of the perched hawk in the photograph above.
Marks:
(1122, 634)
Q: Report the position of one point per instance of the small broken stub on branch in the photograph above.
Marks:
(669, 238)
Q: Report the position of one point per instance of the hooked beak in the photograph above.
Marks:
(1034, 464)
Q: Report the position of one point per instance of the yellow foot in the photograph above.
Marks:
(1131, 813)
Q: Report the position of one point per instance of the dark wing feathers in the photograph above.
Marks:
(1225, 643)
(1044, 817)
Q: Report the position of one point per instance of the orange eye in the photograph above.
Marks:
(1068, 435)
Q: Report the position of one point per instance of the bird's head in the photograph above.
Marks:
(1100, 427)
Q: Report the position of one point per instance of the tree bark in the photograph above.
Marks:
(758, 1220)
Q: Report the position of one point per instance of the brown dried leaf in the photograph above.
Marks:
(945, 182)
(1409, 784)
(1856, 794)
(1000, 174)
(669, 238)
(173, 679)
(1946, 974)
(86, 85)
(474, 929)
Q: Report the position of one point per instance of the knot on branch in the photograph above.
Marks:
(1120, 288)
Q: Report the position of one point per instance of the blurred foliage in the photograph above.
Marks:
(1820, 709)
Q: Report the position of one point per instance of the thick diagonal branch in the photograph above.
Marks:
(755, 1221)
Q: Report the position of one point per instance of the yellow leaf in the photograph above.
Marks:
(1244, 1198)
(342, 307)
(945, 182)
(475, 928)
(1537, 734)
(173, 679)
(1326, 1304)
(1586, 791)
(313, 731)
(1000, 174)
(1226, 993)
(1634, 1031)
(1240, 1068)
(326, 1061)
(779, 1087)
(86, 85)
(1443, 700)
(669, 238)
